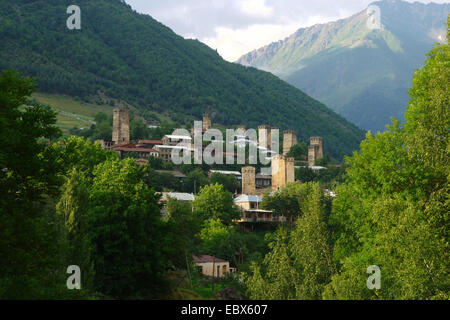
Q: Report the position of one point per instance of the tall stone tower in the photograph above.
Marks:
(249, 180)
(289, 140)
(315, 150)
(207, 123)
(265, 136)
(312, 150)
(290, 170)
(121, 126)
(282, 171)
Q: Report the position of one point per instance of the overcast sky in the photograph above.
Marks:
(235, 27)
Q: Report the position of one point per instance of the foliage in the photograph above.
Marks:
(393, 209)
(31, 242)
(229, 182)
(213, 202)
(299, 151)
(127, 233)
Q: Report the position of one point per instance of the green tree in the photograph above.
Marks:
(213, 202)
(184, 226)
(311, 247)
(299, 151)
(280, 279)
(73, 206)
(195, 180)
(139, 130)
(229, 182)
(31, 250)
(128, 234)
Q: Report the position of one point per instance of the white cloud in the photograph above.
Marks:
(256, 7)
(235, 27)
(231, 44)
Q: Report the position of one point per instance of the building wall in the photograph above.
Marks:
(265, 136)
(207, 123)
(317, 141)
(312, 154)
(121, 126)
(208, 267)
(249, 180)
(244, 205)
(289, 140)
(290, 170)
(278, 172)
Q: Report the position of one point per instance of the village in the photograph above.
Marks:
(253, 185)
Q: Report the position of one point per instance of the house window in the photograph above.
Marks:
(200, 269)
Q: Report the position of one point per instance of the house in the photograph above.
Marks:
(251, 213)
(213, 267)
(165, 151)
(263, 181)
(173, 140)
(140, 152)
(149, 143)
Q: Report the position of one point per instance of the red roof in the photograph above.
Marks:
(150, 141)
(139, 150)
(206, 258)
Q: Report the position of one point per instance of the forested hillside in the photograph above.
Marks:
(120, 56)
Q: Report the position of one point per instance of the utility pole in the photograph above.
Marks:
(214, 269)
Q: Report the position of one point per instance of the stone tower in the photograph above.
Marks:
(265, 136)
(121, 126)
(282, 171)
(312, 150)
(315, 150)
(248, 180)
(290, 170)
(207, 123)
(289, 140)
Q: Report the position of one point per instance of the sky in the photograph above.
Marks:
(236, 27)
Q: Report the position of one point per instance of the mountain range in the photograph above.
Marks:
(361, 72)
(122, 57)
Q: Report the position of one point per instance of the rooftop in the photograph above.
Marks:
(173, 137)
(150, 141)
(177, 196)
(247, 198)
(236, 173)
(206, 258)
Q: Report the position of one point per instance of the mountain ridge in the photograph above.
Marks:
(360, 73)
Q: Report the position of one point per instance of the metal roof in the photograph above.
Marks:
(247, 198)
(178, 196)
(236, 173)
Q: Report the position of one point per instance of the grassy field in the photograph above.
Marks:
(71, 112)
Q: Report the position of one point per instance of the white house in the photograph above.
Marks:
(213, 267)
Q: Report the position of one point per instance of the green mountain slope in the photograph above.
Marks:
(124, 56)
(362, 74)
